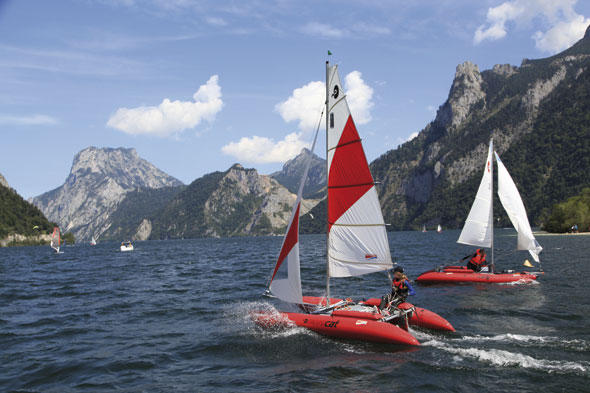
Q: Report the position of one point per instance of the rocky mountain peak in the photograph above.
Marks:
(3, 181)
(98, 181)
(290, 175)
(465, 92)
(587, 35)
(505, 69)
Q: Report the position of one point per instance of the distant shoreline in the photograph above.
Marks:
(543, 233)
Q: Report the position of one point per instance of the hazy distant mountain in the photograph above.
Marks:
(290, 175)
(98, 181)
(538, 115)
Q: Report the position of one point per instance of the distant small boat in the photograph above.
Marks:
(56, 240)
(439, 229)
(126, 246)
(424, 228)
(93, 241)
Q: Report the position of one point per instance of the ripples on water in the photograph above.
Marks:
(173, 316)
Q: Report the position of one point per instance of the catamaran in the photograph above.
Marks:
(56, 240)
(479, 230)
(356, 242)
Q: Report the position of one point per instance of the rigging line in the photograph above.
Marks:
(299, 192)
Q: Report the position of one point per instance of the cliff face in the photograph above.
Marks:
(290, 175)
(434, 177)
(236, 202)
(98, 181)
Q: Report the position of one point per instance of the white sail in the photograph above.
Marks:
(439, 228)
(478, 229)
(357, 237)
(285, 282)
(512, 202)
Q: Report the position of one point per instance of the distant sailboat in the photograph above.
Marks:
(56, 239)
(93, 241)
(424, 228)
(439, 228)
(479, 228)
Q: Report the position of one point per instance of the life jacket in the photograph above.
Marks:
(399, 288)
(478, 259)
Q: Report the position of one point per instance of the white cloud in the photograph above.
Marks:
(412, 136)
(262, 150)
(562, 35)
(171, 117)
(306, 102)
(358, 30)
(431, 108)
(304, 105)
(215, 21)
(359, 96)
(565, 25)
(31, 120)
(323, 30)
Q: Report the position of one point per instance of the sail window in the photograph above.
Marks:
(331, 120)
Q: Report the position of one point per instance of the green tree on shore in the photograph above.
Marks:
(574, 211)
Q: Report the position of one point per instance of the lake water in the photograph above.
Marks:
(172, 317)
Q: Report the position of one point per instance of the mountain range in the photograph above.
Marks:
(538, 115)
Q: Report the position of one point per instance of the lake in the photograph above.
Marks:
(172, 316)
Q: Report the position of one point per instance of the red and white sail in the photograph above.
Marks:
(357, 237)
(55, 239)
(285, 282)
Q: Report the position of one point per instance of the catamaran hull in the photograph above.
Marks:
(460, 274)
(421, 317)
(339, 327)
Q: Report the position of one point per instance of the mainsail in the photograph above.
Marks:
(510, 198)
(285, 282)
(478, 229)
(55, 239)
(357, 237)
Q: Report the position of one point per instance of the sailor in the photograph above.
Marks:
(477, 261)
(400, 289)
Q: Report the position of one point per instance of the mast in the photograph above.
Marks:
(492, 204)
(327, 193)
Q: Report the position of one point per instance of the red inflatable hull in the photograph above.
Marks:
(460, 274)
(339, 326)
(421, 317)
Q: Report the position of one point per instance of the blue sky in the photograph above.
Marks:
(196, 86)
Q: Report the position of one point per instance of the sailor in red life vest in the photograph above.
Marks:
(400, 289)
(477, 261)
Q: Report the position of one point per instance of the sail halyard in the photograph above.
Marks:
(357, 238)
(289, 288)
